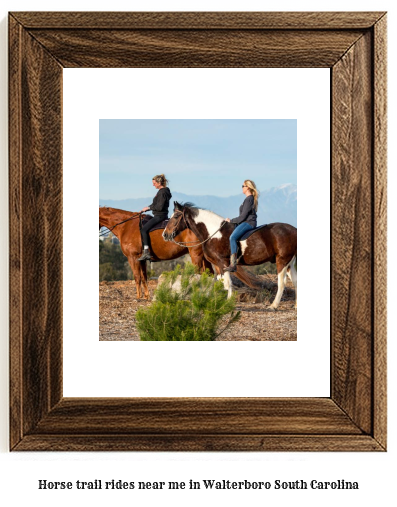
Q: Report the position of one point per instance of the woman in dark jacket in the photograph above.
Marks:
(245, 221)
(159, 207)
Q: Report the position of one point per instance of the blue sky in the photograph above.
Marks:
(199, 157)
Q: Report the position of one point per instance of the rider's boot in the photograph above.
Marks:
(146, 254)
(233, 262)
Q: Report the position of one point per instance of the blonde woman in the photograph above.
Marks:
(245, 221)
(159, 208)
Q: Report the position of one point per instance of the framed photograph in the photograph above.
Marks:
(205, 161)
(353, 46)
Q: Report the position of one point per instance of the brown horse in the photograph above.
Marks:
(276, 243)
(129, 236)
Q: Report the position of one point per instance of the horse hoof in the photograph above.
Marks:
(272, 308)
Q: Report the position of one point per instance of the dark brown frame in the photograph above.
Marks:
(353, 46)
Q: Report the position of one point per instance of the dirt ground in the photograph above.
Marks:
(118, 305)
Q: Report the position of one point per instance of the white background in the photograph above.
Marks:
(93, 368)
(19, 473)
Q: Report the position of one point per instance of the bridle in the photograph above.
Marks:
(193, 243)
(123, 222)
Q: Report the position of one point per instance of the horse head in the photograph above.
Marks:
(175, 224)
(179, 220)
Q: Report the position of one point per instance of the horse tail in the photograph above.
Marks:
(251, 280)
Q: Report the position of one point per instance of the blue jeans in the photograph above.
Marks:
(239, 231)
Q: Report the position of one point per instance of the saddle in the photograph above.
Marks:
(252, 231)
(160, 225)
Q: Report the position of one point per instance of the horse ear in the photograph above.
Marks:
(177, 206)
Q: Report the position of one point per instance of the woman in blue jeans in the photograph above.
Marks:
(245, 221)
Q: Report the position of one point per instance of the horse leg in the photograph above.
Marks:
(293, 275)
(218, 273)
(136, 270)
(207, 265)
(227, 283)
(227, 279)
(281, 275)
(198, 259)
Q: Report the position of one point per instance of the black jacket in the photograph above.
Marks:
(161, 202)
(247, 212)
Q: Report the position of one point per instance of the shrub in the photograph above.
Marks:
(193, 313)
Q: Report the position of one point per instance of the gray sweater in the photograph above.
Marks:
(247, 212)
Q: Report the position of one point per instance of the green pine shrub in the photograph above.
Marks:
(196, 312)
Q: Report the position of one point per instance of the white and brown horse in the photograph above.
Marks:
(276, 243)
(125, 225)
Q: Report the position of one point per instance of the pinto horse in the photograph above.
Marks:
(276, 243)
(125, 226)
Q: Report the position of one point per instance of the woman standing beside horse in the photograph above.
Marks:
(245, 221)
(159, 207)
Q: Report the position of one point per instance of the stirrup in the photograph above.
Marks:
(145, 256)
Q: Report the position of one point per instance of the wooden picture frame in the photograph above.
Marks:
(353, 46)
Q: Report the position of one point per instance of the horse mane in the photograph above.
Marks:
(195, 209)
(191, 206)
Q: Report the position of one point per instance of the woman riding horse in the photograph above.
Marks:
(276, 243)
(245, 221)
(159, 207)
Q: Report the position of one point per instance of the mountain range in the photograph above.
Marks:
(277, 204)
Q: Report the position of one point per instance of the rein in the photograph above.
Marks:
(111, 229)
(194, 243)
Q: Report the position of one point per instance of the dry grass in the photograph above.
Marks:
(118, 305)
